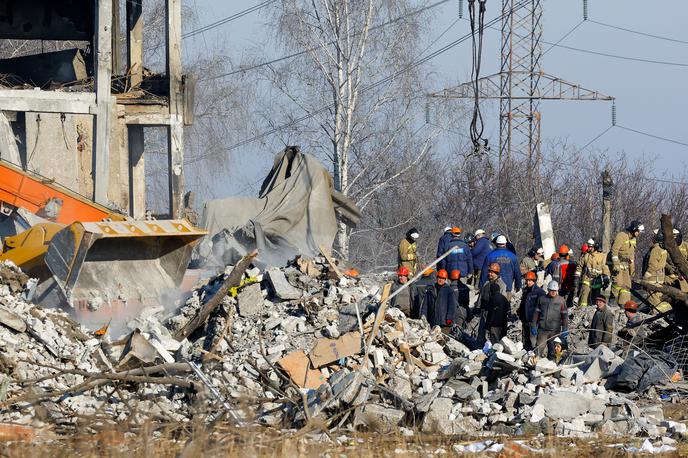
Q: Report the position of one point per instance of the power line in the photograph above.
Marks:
(637, 32)
(372, 86)
(227, 19)
(306, 51)
(563, 37)
(652, 135)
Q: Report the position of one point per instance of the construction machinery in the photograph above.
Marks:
(101, 263)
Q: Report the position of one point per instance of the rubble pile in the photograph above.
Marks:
(290, 345)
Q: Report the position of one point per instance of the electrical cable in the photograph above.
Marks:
(652, 135)
(477, 126)
(659, 37)
(227, 19)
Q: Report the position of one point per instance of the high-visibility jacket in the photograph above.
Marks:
(623, 251)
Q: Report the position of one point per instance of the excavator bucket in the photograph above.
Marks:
(111, 270)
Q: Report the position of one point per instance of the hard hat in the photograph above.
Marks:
(494, 267)
(636, 225)
(631, 306)
(469, 238)
(553, 286)
(427, 272)
(414, 235)
(403, 271)
(591, 242)
(540, 251)
(584, 248)
(675, 231)
(571, 251)
(563, 250)
(557, 340)
(447, 228)
(479, 232)
(442, 274)
(455, 274)
(530, 275)
(456, 230)
(494, 235)
(501, 240)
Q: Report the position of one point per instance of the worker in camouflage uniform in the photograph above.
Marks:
(408, 252)
(593, 272)
(623, 259)
(654, 265)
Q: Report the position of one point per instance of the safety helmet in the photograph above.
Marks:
(585, 248)
(494, 235)
(530, 275)
(540, 251)
(557, 340)
(563, 250)
(553, 286)
(494, 267)
(403, 271)
(442, 274)
(447, 228)
(636, 225)
(456, 230)
(501, 240)
(479, 232)
(455, 275)
(631, 306)
(469, 238)
(591, 242)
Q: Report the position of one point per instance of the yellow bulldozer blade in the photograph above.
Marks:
(113, 268)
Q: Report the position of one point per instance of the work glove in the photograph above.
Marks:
(565, 333)
(533, 331)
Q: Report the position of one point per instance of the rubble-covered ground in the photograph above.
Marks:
(286, 363)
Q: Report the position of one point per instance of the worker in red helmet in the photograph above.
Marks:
(440, 302)
(563, 271)
(462, 296)
(529, 298)
(634, 333)
(402, 300)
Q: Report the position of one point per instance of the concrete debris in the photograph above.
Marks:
(291, 338)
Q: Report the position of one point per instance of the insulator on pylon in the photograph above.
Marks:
(427, 112)
(460, 9)
(613, 113)
(585, 10)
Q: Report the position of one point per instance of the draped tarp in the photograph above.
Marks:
(293, 214)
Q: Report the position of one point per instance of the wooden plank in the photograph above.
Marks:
(297, 365)
(134, 42)
(148, 119)
(378, 317)
(34, 100)
(103, 76)
(176, 128)
(327, 350)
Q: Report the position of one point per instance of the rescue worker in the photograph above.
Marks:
(440, 302)
(482, 248)
(509, 246)
(602, 325)
(526, 310)
(462, 296)
(623, 261)
(594, 274)
(654, 265)
(510, 272)
(674, 277)
(633, 333)
(418, 292)
(402, 301)
(408, 251)
(563, 271)
(560, 352)
(470, 241)
(492, 287)
(532, 262)
(461, 257)
(497, 316)
(442, 244)
(551, 318)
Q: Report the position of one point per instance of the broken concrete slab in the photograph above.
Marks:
(440, 420)
(250, 301)
(281, 288)
(564, 405)
(379, 418)
(12, 320)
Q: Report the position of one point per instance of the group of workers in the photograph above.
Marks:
(549, 287)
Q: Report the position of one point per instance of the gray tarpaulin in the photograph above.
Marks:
(293, 214)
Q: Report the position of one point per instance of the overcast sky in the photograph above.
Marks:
(650, 97)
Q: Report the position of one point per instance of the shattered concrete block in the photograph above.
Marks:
(463, 390)
(379, 418)
(280, 286)
(401, 386)
(511, 347)
(564, 405)
(250, 300)
(437, 420)
(347, 388)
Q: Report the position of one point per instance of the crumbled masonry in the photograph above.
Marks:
(286, 348)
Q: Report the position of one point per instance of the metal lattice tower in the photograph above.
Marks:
(521, 84)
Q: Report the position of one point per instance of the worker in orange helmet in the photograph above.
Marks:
(402, 300)
(529, 298)
(634, 333)
(440, 302)
(493, 287)
(563, 271)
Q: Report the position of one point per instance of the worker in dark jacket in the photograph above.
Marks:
(440, 302)
(462, 296)
(460, 258)
(418, 292)
(551, 319)
(529, 298)
(497, 314)
(402, 301)
(494, 286)
(510, 271)
(482, 248)
(442, 244)
(602, 325)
